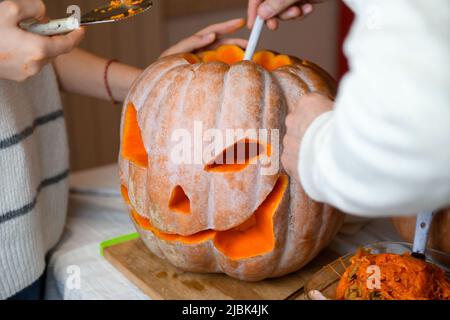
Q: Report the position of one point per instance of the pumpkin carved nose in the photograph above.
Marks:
(236, 157)
(179, 202)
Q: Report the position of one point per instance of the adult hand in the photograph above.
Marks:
(210, 38)
(274, 10)
(308, 109)
(23, 54)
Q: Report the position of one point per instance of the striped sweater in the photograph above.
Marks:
(33, 172)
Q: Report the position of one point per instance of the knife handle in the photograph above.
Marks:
(254, 38)
(53, 27)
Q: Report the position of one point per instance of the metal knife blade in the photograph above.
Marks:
(114, 11)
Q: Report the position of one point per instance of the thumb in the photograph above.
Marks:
(14, 12)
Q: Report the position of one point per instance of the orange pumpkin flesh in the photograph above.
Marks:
(124, 192)
(270, 61)
(252, 238)
(133, 148)
(221, 217)
(241, 243)
(232, 54)
(179, 202)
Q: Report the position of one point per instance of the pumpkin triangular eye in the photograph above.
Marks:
(236, 157)
(132, 145)
(179, 202)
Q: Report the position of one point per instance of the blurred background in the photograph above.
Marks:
(93, 125)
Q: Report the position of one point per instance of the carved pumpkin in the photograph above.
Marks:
(439, 233)
(217, 216)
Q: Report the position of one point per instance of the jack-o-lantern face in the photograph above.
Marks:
(233, 209)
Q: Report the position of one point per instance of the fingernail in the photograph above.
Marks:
(291, 15)
(272, 24)
(209, 36)
(242, 22)
(307, 9)
(265, 11)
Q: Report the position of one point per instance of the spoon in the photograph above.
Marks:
(423, 224)
(112, 12)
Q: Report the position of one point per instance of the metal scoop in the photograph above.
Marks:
(423, 225)
(114, 11)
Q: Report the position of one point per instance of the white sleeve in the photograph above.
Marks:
(385, 149)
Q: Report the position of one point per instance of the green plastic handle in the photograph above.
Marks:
(116, 241)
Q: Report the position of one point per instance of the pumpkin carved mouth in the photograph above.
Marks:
(252, 238)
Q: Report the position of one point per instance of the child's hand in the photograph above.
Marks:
(23, 54)
(209, 38)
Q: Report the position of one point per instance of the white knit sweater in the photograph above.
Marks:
(33, 172)
(385, 149)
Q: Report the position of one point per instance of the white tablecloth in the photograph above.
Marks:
(97, 213)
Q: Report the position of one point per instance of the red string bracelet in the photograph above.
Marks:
(105, 79)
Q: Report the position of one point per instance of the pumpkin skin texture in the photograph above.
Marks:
(439, 237)
(221, 218)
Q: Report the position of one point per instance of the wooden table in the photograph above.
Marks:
(160, 280)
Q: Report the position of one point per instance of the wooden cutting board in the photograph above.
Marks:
(160, 280)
